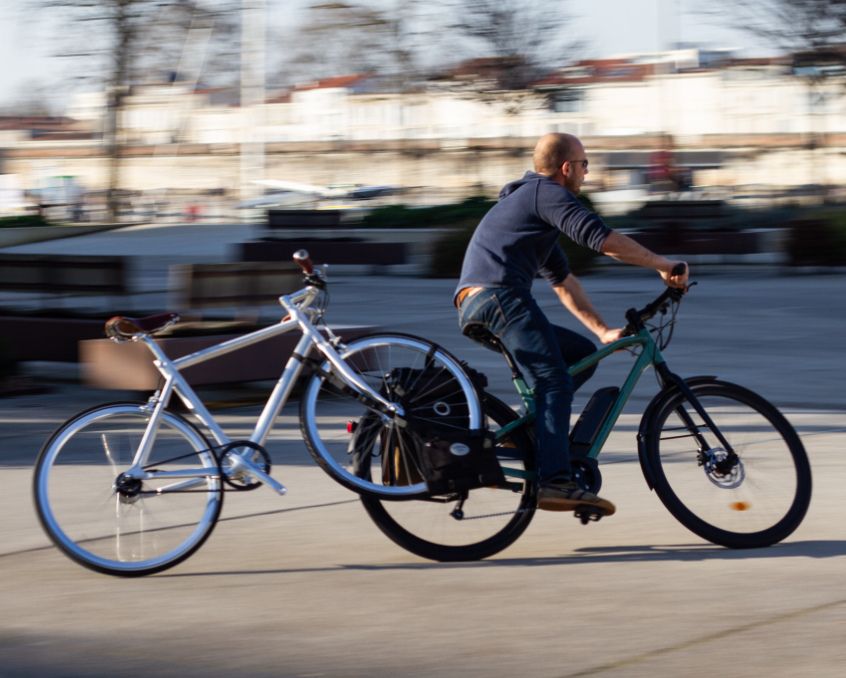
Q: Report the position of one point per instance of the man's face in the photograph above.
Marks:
(575, 169)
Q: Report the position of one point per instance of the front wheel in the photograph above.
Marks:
(752, 492)
(115, 524)
(478, 524)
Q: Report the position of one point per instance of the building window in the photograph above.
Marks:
(568, 101)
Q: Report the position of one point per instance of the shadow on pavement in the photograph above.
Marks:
(590, 555)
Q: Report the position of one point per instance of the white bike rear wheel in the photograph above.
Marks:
(429, 383)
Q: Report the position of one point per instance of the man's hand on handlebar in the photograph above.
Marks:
(675, 274)
(611, 335)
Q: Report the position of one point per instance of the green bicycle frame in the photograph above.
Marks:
(650, 356)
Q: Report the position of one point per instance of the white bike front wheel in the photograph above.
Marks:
(114, 524)
(344, 433)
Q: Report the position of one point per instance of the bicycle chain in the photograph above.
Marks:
(495, 515)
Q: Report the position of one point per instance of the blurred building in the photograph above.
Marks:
(726, 121)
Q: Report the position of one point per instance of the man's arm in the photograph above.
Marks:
(623, 248)
(571, 293)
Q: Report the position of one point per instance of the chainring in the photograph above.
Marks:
(242, 481)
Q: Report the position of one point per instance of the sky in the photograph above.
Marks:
(610, 27)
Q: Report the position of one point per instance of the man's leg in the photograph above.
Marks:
(575, 347)
(516, 319)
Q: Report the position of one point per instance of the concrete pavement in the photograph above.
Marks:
(305, 585)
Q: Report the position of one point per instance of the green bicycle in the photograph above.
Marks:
(722, 459)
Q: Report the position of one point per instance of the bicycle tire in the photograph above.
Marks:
(329, 413)
(755, 502)
(147, 526)
(415, 525)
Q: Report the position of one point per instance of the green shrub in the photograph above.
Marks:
(403, 216)
(448, 252)
(23, 220)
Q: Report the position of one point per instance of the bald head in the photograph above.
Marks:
(552, 150)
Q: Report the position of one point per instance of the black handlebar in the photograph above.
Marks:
(636, 318)
(679, 268)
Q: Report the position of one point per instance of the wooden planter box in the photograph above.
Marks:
(129, 366)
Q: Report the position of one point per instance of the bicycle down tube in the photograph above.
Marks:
(174, 381)
(650, 356)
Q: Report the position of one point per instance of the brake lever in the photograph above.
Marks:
(676, 293)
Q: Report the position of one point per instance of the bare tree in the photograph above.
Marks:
(121, 43)
(517, 38)
(337, 38)
(525, 36)
(791, 25)
(812, 32)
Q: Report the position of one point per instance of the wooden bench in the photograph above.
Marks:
(279, 218)
(63, 275)
(686, 242)
(241, 285)
(338, 251)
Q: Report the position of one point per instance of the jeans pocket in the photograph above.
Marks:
(483, 308)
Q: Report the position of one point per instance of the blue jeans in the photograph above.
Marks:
(543, 351)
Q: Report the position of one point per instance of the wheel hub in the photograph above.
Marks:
(127, 488)
(723, 470)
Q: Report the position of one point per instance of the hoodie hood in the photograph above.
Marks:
(514, 185)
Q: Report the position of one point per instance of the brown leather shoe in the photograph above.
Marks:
(568, 496)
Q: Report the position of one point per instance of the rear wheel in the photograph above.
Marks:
(482, 522)
(342, 430)
(753, 492)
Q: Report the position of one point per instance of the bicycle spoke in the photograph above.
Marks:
(755, 492)
(116, 524)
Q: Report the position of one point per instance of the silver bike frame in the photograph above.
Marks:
(299, 315)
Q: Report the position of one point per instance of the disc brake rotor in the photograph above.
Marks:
(722, 472)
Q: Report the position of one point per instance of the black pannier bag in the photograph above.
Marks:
(454, 460)
(436, 445)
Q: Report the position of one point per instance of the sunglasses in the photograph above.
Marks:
(584, 163)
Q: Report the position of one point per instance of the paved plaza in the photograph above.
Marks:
(305, 585)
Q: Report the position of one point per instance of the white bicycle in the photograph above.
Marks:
(133, 488)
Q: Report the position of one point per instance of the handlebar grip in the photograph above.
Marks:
(302, 258)
(679, 269)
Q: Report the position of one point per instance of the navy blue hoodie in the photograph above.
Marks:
(517, 238)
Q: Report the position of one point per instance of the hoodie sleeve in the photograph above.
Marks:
(559, 207)
(556, 268)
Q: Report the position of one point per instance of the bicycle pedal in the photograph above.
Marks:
(588, 514)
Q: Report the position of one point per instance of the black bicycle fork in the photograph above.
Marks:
(671, 380)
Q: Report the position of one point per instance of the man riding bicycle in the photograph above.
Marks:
(516, 240)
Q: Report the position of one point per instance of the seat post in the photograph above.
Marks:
(482, 335)
(509, 359)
